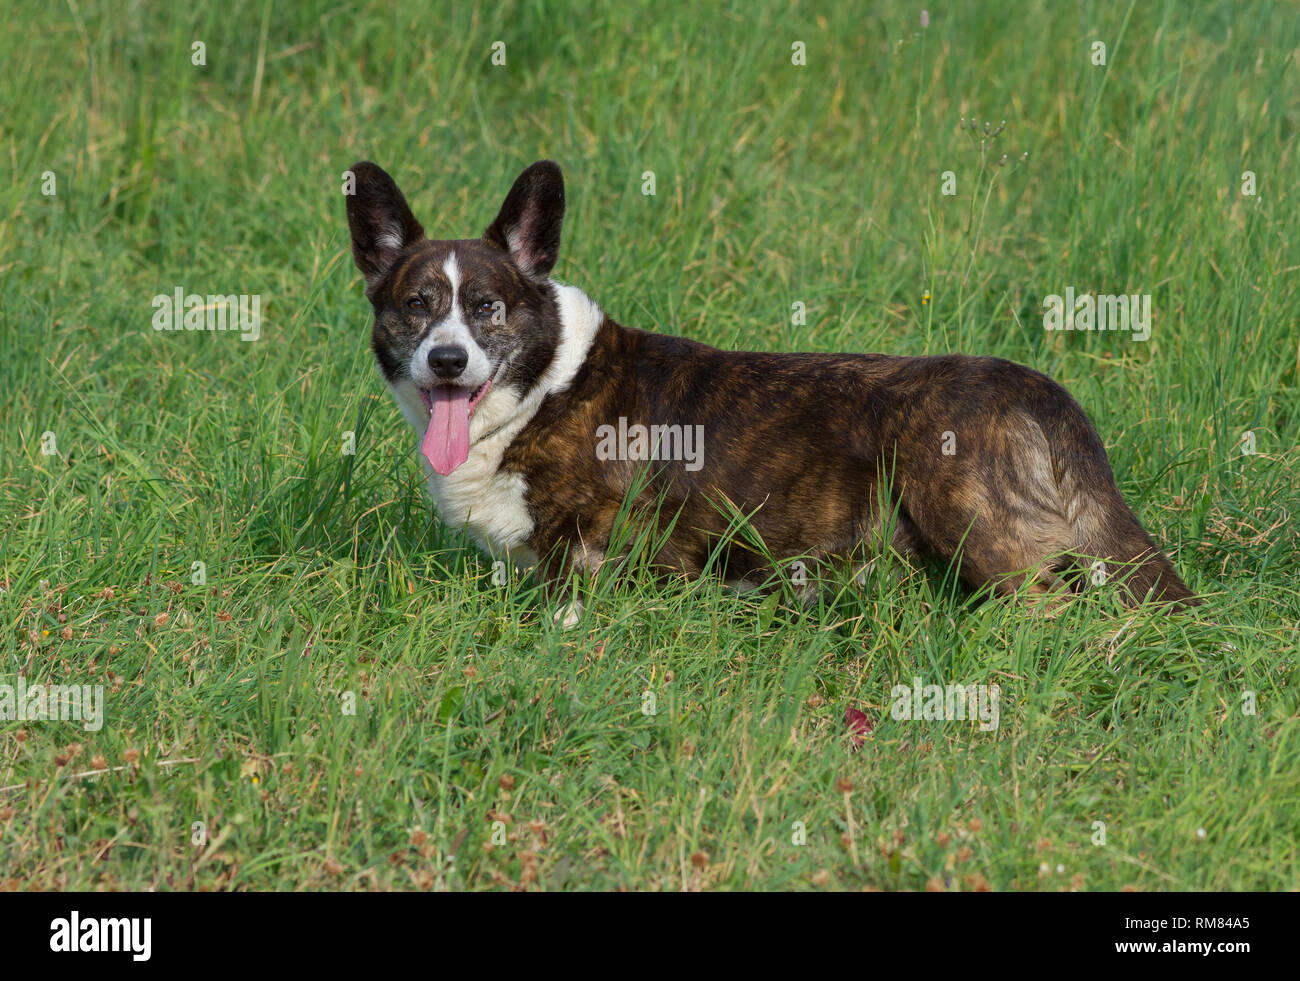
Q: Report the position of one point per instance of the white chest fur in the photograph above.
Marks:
(487, 501)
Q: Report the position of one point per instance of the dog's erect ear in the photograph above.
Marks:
(528, 226)
(381, 223)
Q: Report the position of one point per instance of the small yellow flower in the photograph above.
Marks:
(925, 298)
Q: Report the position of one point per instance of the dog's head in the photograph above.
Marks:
(459, 319)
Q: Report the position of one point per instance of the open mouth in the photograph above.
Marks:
(475, 397)
(446, 441)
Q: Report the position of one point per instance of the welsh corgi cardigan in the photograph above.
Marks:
(539, 416)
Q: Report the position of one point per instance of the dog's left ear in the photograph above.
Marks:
(528, 226)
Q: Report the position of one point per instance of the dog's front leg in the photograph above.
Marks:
(560, 573)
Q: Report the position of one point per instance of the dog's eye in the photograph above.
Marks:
(415, 303)
(486, 308)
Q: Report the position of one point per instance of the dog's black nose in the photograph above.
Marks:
(448, 360)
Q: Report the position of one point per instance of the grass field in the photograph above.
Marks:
(340, 697)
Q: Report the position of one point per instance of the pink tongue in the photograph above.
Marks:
(446, 441)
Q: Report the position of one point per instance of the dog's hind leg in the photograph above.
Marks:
(996, 513)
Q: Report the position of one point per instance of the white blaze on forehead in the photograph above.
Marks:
(452, 270)
(451, 330)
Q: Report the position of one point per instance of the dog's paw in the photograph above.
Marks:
(569, 616)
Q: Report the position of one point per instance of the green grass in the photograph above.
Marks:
(776, 184)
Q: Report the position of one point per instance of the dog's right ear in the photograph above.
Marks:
(381, 223)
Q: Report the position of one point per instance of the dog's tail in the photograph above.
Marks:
(1115, 542)
(1110, 539)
